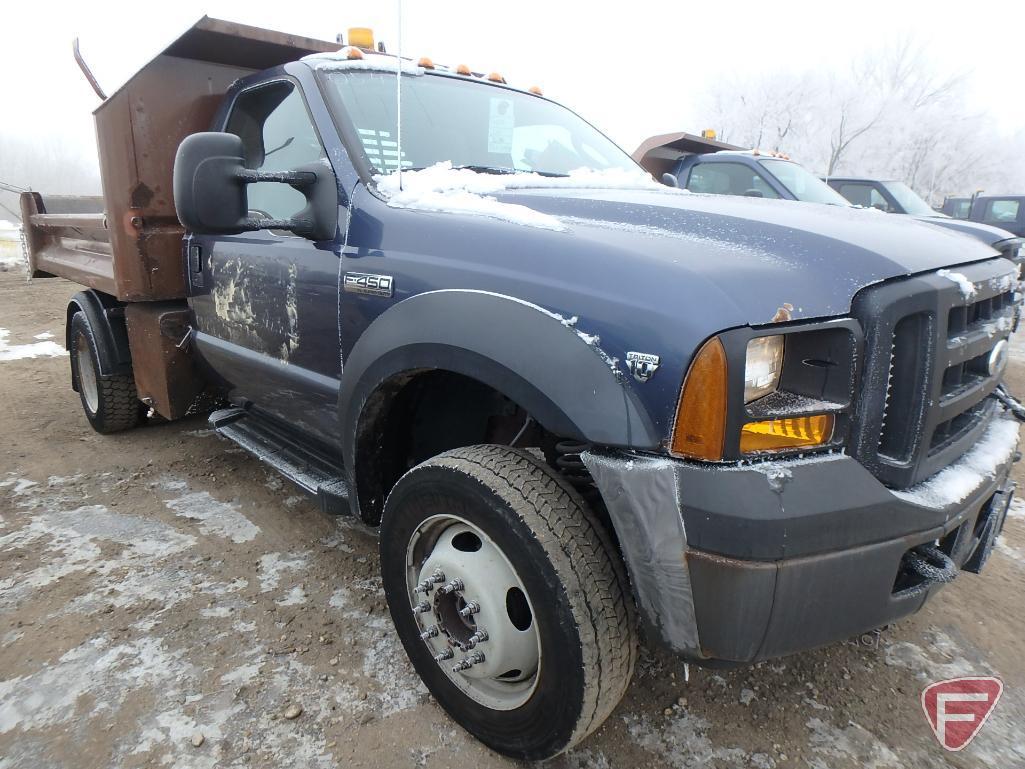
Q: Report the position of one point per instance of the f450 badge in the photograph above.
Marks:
(368, 283)
(642, 365)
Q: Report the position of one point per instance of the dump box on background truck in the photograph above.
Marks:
(567, 394)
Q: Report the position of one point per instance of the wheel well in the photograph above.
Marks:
(419, 414)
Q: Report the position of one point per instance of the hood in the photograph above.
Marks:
(984, 232)
(767, 260)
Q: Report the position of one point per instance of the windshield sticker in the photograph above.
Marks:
(501, 123)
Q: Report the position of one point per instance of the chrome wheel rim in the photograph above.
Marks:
(86, 375)
(473, 612)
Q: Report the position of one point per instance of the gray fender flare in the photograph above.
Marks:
(518, 348)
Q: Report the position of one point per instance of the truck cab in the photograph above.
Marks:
(1004, 211)
(572, 399)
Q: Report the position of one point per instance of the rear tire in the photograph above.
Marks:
(526, 526)
(111, 404)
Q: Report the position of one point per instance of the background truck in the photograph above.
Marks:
(1004, 211)
(712, 167)
(567, 394)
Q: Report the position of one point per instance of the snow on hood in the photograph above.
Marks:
(463, 191)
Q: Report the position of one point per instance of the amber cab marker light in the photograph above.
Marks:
(536, 90)
(361, 37)
(700, 425)
(792, 433)
(462, 69)
(425, 63)
(353, 53)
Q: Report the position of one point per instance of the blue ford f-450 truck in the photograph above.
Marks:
(578, 403)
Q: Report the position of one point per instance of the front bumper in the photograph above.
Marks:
(750, 562)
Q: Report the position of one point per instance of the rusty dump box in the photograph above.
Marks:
(128, 243)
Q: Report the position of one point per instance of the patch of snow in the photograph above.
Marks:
(681, 741)
(46, 349)
(966, 286)
(220, 518)
(1017, 508)
(294, 597)
(44, 335)
(338, 61)
(1014, 553)
(954, 483)
(463, 191)
(273, 564)
(851, 743)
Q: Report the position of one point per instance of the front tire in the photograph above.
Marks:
(111, 404)
(488, 541)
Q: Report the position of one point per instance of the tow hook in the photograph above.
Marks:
(931, 564)
(1010, 403)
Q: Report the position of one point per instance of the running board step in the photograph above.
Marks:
(310, 471)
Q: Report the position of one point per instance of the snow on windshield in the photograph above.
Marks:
(461, 190)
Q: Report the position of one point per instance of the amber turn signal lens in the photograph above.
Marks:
(701, 413)
(793, 433)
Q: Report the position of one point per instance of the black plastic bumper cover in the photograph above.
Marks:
(757, 561)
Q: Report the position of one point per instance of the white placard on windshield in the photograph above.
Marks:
(501, 123)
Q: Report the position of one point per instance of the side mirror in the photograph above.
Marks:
(669, 180)
(210, 180)
(754, 194)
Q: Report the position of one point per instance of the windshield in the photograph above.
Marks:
(908, 199)
(471, 125)
(803, 184)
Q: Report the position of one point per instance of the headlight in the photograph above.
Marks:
(763, 367)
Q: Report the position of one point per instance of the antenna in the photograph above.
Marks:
(398, 97)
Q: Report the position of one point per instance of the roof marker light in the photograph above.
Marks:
(462, 69)
(361, 37)
(536, 90)
(494, 77)
(425, 62)
(352, 53)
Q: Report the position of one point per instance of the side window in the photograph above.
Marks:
(277, 135)
(1001, 211)
(729, 179)
(960, 209)
(864, 195)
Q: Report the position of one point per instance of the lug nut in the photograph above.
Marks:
(421, 607)
(445, 655)
(479, 637)
(428, 584)
(451, 587)
(468, 662)
(471, 608)
(431, 632)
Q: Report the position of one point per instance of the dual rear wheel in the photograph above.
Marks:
(111, 403)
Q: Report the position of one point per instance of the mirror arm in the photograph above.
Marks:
(298, 179)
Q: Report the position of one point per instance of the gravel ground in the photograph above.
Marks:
(166, 600)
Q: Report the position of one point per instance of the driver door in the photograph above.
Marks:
(265, 303)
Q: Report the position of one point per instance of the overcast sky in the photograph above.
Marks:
(632, 68)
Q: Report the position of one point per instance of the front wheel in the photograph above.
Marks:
(508, 599)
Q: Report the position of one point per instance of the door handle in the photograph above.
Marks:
(196, 264)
